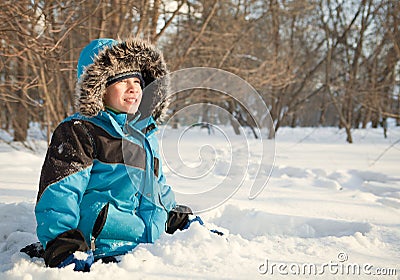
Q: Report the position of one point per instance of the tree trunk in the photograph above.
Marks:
(349, 138)
(233, 120)
(235, 126)
(367, 118)
(20, 122)
(21, 116)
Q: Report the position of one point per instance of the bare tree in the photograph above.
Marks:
(360, 76)
(40, 47)
(313, 62)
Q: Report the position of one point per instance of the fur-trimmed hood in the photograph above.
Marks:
(105, 58)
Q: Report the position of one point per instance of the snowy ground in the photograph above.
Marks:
(330, 209)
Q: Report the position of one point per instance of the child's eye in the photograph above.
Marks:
(126, 81)
(121, 82)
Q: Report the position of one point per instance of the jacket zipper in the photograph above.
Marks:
(99, 225)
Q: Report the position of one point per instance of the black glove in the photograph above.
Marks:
(178, 218)
(34, 250)
(61, 247)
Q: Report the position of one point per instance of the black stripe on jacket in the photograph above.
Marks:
(74, 146)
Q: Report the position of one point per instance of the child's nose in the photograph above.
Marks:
(134, 87)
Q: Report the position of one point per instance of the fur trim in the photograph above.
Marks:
(131, 55)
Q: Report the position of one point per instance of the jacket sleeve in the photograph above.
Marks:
(63, 181)
(167, 196)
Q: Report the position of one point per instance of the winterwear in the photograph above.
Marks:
(82, 261)
(117, 58)
(123, 76)
(178, 218)
(102, 187)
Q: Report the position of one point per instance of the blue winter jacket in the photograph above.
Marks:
(105, 180)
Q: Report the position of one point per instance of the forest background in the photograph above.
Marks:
(313, 62)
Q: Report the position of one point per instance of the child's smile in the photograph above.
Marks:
(124, 96)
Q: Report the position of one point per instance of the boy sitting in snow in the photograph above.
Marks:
(102, 190)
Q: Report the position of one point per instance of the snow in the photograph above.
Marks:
(330, 209)
(81, 255)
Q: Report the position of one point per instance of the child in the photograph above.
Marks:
(102, 190)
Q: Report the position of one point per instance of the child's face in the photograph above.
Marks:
(124, 96)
